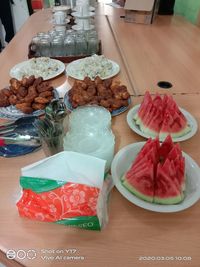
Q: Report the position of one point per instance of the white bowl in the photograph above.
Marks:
(96, 117)
(98, 144)
(122, 162)
(61, 8)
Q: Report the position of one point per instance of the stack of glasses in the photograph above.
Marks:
(65, 43)
(90, 133)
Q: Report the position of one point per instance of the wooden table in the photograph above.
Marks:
(132, 233)
(168, 50)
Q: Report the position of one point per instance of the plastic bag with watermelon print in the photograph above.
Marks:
(67, 188)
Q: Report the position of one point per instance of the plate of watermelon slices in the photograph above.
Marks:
(167, 194)
(190, 129)
(160, 116)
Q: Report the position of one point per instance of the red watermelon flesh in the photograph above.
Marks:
(157, 173)
(161, 116)
(165, 148)
(147, 149)
(166, 191)
(141, 183)
(147, 99)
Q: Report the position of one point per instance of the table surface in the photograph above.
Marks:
(132, 232)
(168, 50)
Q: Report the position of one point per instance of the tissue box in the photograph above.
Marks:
(67, 188)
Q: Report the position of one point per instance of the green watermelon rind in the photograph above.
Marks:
(134, 191)
(169, 200)
(155, 200)
(145, 129)
(162, 135)
(183, 132)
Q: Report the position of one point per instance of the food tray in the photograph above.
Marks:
(65, 59)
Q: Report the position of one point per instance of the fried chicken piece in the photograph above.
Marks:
(38, 81)
(4, 102)
(27, 110)
(107, 83)
(42, 88)
(100, 88)
(46, 94)
(121, 92)
(31, 80)
(87, 80)
(91, 90)
(82, 85)
(6, 92)
(12, 99)
(29, 98)
(98, 80)
(24, 82)
(24, 107)
(49, 98)
(38, 106)
(22, 91)
(15, 84)
(116, 103)
(77, 98)
(19, 97)
(105, 103)
(41, 100)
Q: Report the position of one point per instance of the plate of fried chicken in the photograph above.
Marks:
(108, 93)
(25, 97)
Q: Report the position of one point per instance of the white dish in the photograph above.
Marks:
(73, 70)
(52, 67)
(77, 15)
(79, 28)
(61, 8)
(121, 164)
(191, 121)
(91, 8)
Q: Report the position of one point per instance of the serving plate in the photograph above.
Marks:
(113, 113)
(78, 15)
(74, 70)
(12, 113)
(191, 122)
(53, 68)
(14, 150)
(122, 162)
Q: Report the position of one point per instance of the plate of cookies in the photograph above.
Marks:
(25, 97)
(108, 93)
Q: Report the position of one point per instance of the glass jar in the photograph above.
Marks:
(35, 45)
(81, 45)
(93, 46)
(57, 48)
(69, 45)
(44, 47)
(52, 34)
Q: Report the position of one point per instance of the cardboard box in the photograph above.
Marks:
(141, 11)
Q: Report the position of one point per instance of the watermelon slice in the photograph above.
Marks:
(160, 117)
(157, 173)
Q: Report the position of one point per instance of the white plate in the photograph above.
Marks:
(73, 68)
(12, 113)
(77, 15)
(113, 113)
(20, 70)
(191, 121)
(122, 162)
(78, 28)
(91, 8)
